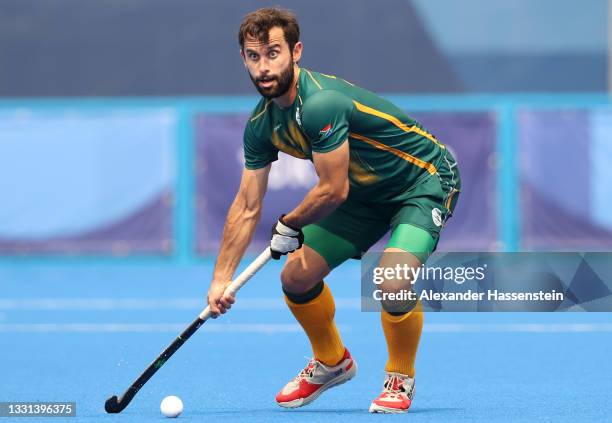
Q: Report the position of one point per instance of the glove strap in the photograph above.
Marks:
(285, 229)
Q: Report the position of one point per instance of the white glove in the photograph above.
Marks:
(285, 239)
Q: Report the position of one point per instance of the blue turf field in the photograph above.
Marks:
(80, 332)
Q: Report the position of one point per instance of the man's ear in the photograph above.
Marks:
(297, 51)
(243, 57)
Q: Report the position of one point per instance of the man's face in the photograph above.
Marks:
(270, 64)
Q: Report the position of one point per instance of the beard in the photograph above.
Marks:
(283, 83)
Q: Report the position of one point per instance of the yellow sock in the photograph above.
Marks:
(402, 334)
(317, 319)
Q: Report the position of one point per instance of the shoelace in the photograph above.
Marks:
(307, 371)
(394, 388)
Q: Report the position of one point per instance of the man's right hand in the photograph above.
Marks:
(218, 301)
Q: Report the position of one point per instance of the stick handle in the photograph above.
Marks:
(242, 278)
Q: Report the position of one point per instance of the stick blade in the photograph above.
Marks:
(112, 405)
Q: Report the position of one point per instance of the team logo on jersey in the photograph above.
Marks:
(298, 118)
(326, 131)
(436, 216)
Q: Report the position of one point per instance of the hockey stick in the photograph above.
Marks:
(117, 405)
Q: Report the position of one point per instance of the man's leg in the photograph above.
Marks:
(312, 303)
(345, 233)
(402, 321)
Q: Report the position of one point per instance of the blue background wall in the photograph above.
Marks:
(130, 176)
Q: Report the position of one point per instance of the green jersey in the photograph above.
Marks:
(389, 151)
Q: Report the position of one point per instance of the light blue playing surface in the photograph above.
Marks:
(81, 332)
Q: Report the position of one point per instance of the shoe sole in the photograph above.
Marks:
(334, 382)
(375, 408)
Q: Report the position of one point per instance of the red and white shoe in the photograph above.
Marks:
(314, 379)
(396, 396)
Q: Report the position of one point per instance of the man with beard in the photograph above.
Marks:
(378, 170)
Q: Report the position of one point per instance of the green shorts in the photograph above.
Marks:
(415, 217)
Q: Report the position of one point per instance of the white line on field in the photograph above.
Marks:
(107, 304)
(519, 327)
(268, 328)
(146, 327)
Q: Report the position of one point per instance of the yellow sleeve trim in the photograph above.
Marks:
(450, 198)
(365, 109)
(408, 157)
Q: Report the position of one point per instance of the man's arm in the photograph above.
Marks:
(240, 225)
(331, 190)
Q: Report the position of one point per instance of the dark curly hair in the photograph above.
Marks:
(257, 25)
